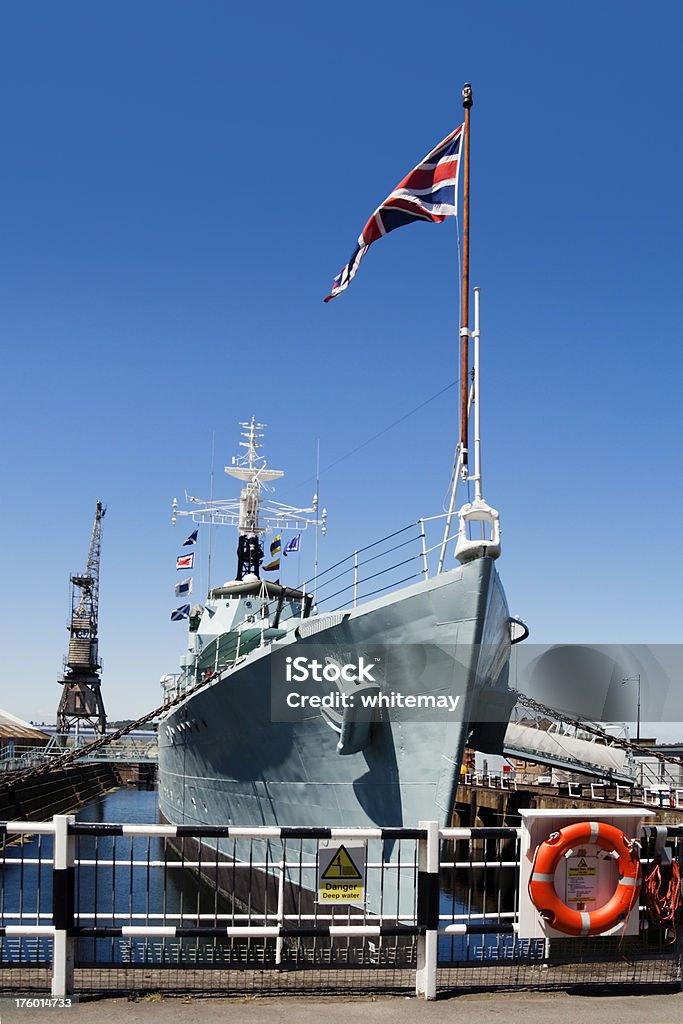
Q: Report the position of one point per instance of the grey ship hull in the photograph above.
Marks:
(223, 761)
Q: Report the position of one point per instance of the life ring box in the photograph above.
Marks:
(580, 872)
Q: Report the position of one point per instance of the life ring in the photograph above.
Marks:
(548, 856)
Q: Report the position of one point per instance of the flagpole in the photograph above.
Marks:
(316, 504)
(465, 303)
(213, 460)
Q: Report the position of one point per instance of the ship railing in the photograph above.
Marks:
(399, 558)
(77, 897)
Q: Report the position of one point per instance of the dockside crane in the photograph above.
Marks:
(81, 699)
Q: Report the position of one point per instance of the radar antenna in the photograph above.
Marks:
(81, 699)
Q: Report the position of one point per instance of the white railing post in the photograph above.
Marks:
(63, 907)
(423, 536)
(427, 910)
(280, 909)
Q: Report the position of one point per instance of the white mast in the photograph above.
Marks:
(477, 511)
(253, 514)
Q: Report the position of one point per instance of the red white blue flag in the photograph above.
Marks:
(185, 561)
(427, 193)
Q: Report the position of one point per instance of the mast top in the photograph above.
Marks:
(467, 95)
(251, 467)
(252, 513)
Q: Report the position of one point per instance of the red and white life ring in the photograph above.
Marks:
(542, 883)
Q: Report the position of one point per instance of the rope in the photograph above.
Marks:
(662, 895)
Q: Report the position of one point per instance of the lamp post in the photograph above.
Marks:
(631, 679)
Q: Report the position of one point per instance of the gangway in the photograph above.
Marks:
(568, 748)
(127, 750)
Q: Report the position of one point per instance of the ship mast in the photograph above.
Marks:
(479, 523)
(465, 285)
(253, 514)
(251, 469)
(81, 698)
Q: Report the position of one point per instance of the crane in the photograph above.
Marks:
(81, 699)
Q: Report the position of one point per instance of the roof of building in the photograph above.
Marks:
(14, 728)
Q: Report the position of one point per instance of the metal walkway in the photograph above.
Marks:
(570, 749)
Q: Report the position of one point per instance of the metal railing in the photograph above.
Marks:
(664, 796)
(393, 561)
(183, 902)
(124, 750)
(400, 558)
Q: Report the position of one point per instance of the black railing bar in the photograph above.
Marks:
(337, 577)
(329, 569)
(389, 568)
(391, 586)
(396, 547)
(396, 533)
(382, 554)
(338, 592)
(367, 547)
(397, 583)
(366, 579)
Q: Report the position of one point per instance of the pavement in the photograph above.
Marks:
(491, 1008)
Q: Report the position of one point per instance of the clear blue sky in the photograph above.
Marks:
(180, 183)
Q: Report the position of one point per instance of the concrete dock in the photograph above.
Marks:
(476, 1009)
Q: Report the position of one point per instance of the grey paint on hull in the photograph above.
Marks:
(222, 760)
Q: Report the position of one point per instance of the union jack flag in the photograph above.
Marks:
(427, 193)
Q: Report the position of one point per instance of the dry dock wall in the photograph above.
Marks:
(58, 792)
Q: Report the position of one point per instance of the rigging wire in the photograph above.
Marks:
(385, 430)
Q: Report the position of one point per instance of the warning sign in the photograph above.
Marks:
(582, 879)
(341, 873)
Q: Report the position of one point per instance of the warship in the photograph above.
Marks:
(413, 651)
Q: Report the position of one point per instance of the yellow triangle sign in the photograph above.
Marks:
(341, 866)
